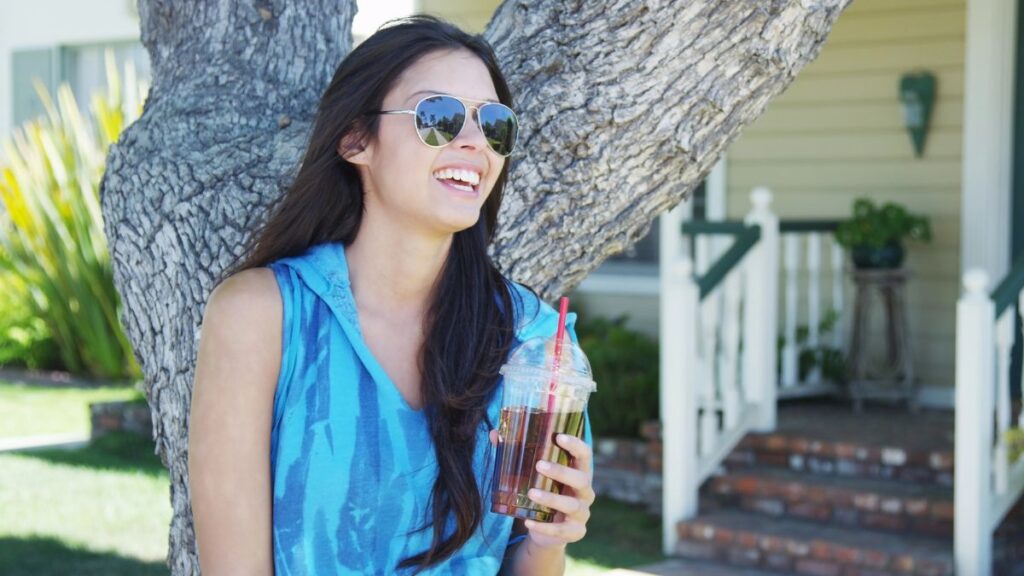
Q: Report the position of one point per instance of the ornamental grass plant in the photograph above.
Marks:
(53, 251)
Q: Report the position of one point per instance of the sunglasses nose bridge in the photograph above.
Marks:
(472, 118)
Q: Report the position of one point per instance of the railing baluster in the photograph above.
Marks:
(707, 352)
(709, 377)
(838, 333)
(1020, 311)
(728, 369)
(813, 298)
(790, 352)
(1004, 343)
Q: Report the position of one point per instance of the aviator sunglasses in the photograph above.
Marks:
(440, 118)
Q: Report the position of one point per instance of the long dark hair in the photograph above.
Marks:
(470, 321)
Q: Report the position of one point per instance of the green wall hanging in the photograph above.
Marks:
(917, 97)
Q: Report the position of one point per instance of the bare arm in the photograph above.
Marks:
(229, 432)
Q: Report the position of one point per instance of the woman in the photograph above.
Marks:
(347, 382)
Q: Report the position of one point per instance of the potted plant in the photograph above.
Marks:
(875, 234)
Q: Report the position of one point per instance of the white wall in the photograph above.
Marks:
(46, 23)
(373, 13)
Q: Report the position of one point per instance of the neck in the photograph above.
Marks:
(393, 272)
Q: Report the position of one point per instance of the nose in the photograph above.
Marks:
(471, 136)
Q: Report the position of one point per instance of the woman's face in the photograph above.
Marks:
(403, 178)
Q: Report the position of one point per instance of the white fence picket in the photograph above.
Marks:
(813, 298)
(838, 285)
(790, 351)
(1004, 344)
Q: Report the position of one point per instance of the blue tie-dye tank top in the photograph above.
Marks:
(352, 463)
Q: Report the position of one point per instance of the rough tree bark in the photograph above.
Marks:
(626, 105)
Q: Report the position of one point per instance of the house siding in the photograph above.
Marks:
(837, 134)
(471, 16)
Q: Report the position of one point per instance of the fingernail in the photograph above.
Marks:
(542, 465)
(534, 493)
(564, 437)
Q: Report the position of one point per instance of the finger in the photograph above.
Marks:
(566, 531)
(568, 505)
(581, 452)
(493, 435)
(571, 477)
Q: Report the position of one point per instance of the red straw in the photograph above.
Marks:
(563, 311)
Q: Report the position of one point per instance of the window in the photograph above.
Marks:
(82, 67)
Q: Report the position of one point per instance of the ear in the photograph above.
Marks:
(353, 149)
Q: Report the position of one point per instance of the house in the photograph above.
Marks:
(839, 132)
(831, 493)
(70, 48)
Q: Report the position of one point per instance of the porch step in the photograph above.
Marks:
(790, 546)
(851, 458)
(684, 567)
(882, 505)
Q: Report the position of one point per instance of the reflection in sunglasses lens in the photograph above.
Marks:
(439, 119)
(499, 125)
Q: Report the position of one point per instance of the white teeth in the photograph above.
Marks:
(468, 176)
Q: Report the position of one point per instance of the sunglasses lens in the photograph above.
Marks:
(500, 126)
(439, 119)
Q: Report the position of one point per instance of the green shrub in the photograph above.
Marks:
(625, 364)
(25, 341)
(53, 241)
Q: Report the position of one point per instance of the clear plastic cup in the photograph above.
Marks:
(537, 405)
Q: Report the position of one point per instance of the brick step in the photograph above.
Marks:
(792, 546)
(853, 502)
(684, 567)
(844, 458)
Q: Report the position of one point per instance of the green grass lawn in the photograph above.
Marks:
(27, 410)
(618, 536)
(105, 508)
(102, 509)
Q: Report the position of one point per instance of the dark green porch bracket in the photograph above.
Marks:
(1005, 295)
(746, 237)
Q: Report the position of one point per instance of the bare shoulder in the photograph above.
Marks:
(241, 330)
(249, 293)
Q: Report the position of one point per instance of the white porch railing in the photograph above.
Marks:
(986, 482)
(713, 390)
(806, 299)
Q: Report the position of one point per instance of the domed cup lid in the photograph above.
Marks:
(534, 360)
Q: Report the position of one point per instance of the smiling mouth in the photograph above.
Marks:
(463, 180)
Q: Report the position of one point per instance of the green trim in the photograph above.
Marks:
(745, 240)
(1006, 294)
(731, 227)
(809, 225)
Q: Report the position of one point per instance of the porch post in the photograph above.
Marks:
(679, 380)
(975, 383)
(760, 316)
(988, 135)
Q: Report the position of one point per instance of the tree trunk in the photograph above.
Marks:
(626, 105)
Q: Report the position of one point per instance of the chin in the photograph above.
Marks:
(458, 224)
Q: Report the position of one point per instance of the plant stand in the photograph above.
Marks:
(894, 379)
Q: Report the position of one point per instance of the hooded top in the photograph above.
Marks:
(352, 464)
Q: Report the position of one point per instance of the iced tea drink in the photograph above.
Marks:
(538, 403)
